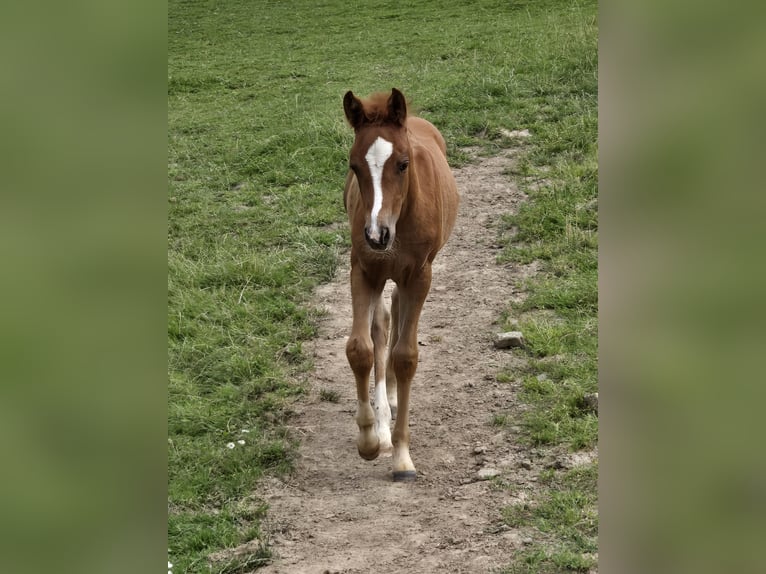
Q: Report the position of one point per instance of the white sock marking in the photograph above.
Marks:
(382, 415)
(376, 157)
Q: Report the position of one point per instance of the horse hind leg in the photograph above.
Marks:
(381, 320)
(393, 401)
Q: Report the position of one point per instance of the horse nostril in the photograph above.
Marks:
(385, 235)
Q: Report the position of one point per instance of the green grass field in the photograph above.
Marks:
(257, 153)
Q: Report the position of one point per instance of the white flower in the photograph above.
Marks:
(241, 441)
(245, 430)
(230, 445)
(170, 565)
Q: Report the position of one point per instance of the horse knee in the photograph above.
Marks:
(405, 361)
(359, 354)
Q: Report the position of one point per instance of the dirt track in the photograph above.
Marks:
(339, 513)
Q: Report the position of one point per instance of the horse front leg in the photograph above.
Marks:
(380, 325)
(393, 401)
(359, 351)
(404, 359)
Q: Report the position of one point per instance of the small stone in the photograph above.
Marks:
(487, 473)
(509, 339)
(542, 377)
(479, 449)
(526, 464)
(526, 541)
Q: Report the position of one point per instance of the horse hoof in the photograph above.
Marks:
(369, 455)
(405, 476)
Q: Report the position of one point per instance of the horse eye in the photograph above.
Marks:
(403, 166)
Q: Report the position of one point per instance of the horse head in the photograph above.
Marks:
(380, 160)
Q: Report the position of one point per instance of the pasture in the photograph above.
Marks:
(257, 156)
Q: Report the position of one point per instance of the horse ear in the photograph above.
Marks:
(354, 110)
(397, 107)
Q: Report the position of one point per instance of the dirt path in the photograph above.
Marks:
(339, 513)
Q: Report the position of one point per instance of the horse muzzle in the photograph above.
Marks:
(380, 239)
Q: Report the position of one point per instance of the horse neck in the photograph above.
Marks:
(413, 190)
(413, 187)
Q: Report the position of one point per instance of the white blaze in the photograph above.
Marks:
(376, 157)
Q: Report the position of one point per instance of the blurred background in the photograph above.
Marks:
(681, 270)
(82, 235)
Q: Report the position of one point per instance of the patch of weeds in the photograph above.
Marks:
(245, 563)
(500, 420)
(560, 413)
(329, 396)
(538, 560)
(565, 513)
(559, 425)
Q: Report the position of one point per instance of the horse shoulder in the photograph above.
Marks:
(436, 182)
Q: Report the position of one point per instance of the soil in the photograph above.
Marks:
(340, 514)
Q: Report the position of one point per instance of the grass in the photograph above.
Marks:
(558, 228)
(257, 152)
(567, 518)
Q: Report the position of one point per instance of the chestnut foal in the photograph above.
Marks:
(401, 201)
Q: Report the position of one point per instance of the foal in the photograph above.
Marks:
(401, 201)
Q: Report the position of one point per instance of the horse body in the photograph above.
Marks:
(401, 201)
